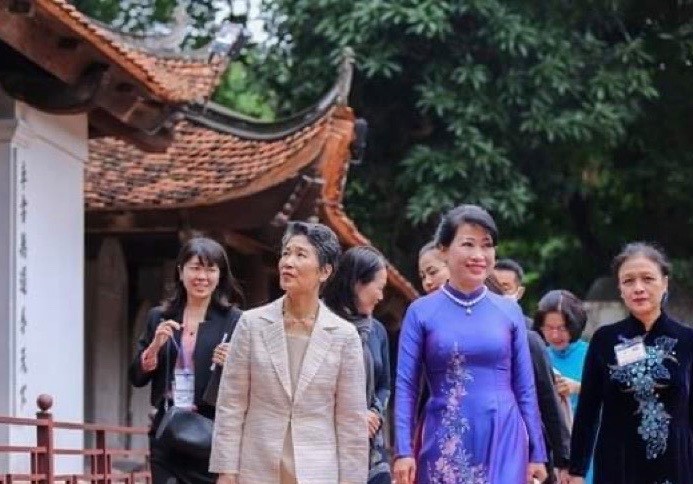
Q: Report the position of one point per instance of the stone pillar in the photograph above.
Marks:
(42, 161)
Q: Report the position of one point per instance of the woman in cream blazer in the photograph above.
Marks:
(283, 418)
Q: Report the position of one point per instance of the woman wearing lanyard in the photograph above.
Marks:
(636, 396)
(186, 337)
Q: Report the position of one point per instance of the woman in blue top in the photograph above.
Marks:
(561, 318)
(481, 422)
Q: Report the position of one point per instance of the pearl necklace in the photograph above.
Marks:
(467, 305)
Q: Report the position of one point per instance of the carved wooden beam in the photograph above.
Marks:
(68, 58)
(127, 103)
(303, 196)
(45, 92)
(244, 244)
(127, 222)
(64, 59)
(106, 124)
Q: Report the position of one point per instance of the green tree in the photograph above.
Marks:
(542, 113)
(155, 16)
(239, 88)
(241, 91)
(569, 120)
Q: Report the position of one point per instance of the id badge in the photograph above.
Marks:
(630, 351)
(183, 388)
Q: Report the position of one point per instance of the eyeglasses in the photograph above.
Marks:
(558, 329)
(198, 270)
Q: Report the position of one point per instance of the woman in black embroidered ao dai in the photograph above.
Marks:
(644, 433)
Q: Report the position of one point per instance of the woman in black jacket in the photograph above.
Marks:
(184, 338)
(353, 292)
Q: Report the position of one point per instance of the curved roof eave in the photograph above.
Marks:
(219, 118)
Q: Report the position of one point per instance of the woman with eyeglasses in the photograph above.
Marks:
(183, 338)
(560, 319)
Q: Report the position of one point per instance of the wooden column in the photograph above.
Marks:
(107, 353)
(138, 398)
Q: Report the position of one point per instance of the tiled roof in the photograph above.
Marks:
(201, 167)
(176, 79)
(335, 167)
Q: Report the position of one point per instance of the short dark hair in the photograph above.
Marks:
(511, 265)
(320, 236)
(430, 245)
(493, 285)
(650, 251)
(464, 214)
(569, 305)
(227, 293)
(357, 265)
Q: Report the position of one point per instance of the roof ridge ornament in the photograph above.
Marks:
(167, 40)
(178, 29)
(222, 119)
(228, 40)
(346, 74)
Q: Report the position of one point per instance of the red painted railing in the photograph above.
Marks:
(99, 457)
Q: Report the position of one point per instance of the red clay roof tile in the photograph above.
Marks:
(175, 80)
(200, 167)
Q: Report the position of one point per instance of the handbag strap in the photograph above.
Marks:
(167, 378)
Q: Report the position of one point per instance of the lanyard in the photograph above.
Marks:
(183, 390)
(187, 364)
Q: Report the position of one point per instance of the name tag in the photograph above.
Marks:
(630, 352)
(183, 388)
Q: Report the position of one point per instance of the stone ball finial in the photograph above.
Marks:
(44, 402)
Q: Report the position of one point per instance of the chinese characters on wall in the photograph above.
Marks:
(22, 247)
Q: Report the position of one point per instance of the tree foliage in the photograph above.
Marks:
(568, 120)
(557, 117)
(156, 16)
(239, 89)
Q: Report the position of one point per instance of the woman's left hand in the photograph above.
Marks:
(563, 476)
(566, 386)
(536, 471)
(374, 423)
(220, 353)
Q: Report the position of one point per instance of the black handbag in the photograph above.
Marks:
(183, 431)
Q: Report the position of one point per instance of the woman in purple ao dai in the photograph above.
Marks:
(481, 423)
